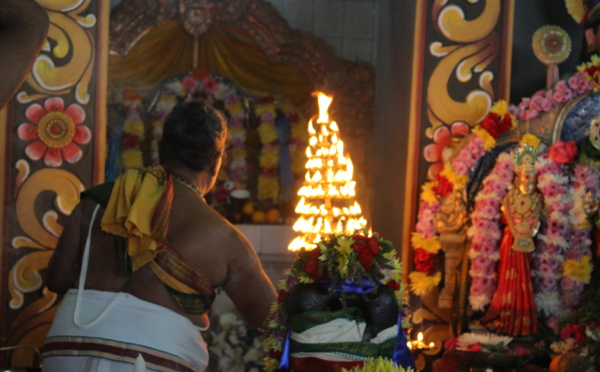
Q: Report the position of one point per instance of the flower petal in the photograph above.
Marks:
(432, 153)
(83, 135)
(35, 150)
(34, 113)
(441, 136)
(53, 158)
(27, 132)
(76, 113)
(459, 129)
(72, 153)
(54, 104)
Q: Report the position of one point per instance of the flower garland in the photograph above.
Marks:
(577, 267)
(552, 242)
(336, 258)
(545, 100)
(454, 176)
(133, 130)
(297, 143)
(485, 233)
(268, 180)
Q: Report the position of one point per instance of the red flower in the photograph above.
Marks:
(424, 261)
(442, 186)
(474, 347)
(282, 296)
(365, 258)
(495, 125)
(563, 152)
(451, 343)
(130, 141)
(311, 267)
(572, 331)
(373, 245)
(200, 72)
(393, 285)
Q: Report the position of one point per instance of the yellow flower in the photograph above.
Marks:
(268, 188)
(427, 193)
(261, 109)
(432, 245)
(269, 158)
(421, 283)
(489, 142)
(134, 127)
(344, 245)
(531, 140)
(132, 158)
(578, 270)
(235, 108)
(343, 266)
(500, 108)
(459, 181)
(267, 133)
(417, 240)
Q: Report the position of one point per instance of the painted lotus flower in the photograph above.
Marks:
(55, 132)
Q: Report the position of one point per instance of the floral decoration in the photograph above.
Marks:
(133, 130)
(552, 242)
(484, 342)
(55, 132)
(336, 258)
(485, 232)
(577, 267)
(268, 179)
(546, 99)
(234, 346)
(454, 176)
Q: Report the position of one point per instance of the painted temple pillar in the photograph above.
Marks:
(52, 147)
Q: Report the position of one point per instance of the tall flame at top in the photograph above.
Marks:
(327, 197)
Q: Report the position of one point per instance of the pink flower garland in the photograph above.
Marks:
(549, 253)
(485, 232)
(545, 100)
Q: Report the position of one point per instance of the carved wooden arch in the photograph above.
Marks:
(351, 83)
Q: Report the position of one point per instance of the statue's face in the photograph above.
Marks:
(595, 132)
(525, 181)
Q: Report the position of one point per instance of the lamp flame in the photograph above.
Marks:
(327, 202)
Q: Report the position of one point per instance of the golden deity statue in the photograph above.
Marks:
(522, 204)
(450, 222)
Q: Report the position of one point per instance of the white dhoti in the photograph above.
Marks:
(109, 331)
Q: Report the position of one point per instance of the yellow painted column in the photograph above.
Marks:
(53, 143)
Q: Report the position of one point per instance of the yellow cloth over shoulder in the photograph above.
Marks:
(138, 209)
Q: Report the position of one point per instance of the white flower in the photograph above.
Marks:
(467, 339)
